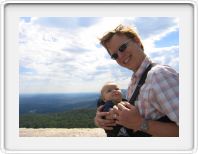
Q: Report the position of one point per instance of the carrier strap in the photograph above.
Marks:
(140, 83)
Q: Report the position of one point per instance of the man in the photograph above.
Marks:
(158, 98)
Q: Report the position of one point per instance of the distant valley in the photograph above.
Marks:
(51, 103)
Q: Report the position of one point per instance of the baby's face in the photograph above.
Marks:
(111, 92)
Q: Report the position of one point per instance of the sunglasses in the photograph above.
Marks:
(122, 48)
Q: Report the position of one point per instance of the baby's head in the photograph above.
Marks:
(111, 92)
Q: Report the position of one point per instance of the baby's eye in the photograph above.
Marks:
(117, 89)
(109, 90)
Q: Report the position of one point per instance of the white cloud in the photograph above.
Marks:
(69, 60)
(166, 55)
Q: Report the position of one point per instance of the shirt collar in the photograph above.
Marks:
(142, 67)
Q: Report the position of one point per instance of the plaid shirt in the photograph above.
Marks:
(159, 95)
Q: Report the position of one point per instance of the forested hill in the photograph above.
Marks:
(83, 118)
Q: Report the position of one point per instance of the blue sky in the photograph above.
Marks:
(63, 54)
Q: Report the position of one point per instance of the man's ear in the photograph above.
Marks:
(137, 40)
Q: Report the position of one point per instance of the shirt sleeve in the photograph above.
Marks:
(100, 102)
(166, 90)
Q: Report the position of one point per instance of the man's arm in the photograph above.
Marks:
(162, 129)
(129, 116)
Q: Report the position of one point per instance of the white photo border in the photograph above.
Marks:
(4, 94)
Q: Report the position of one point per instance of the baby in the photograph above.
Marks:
(110, 95)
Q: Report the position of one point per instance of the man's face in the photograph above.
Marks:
(129, 52)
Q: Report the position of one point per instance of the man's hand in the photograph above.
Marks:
(106, 123)
(127, 115)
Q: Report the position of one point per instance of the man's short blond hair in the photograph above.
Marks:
(119, 30)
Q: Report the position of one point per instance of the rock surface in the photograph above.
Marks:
(61, 132)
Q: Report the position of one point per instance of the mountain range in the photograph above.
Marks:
(50, 103)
